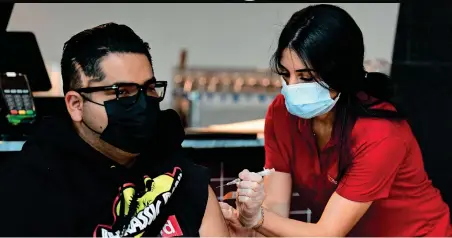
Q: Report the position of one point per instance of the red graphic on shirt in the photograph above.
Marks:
(171, 228)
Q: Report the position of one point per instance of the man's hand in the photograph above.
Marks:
(231, 216)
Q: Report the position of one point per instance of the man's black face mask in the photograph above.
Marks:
(131, 124)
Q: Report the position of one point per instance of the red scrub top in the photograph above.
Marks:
(387, 168)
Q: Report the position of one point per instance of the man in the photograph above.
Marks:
(113, 168)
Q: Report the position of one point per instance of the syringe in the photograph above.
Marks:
(262, 173)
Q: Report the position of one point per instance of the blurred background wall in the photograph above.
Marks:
(215, 35)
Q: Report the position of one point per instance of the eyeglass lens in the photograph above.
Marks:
(132, 90)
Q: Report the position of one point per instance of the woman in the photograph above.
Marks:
(335, 136)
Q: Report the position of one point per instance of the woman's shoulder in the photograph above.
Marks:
(375, 129)
(278, 104)
(277, 113)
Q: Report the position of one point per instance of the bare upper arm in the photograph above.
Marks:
(278, 193)
(213, 223)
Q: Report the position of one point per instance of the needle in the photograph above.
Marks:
(262, 173)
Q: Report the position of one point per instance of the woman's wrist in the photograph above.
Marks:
(260, 221)
(256, 223)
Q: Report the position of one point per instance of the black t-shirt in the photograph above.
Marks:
(61, 186)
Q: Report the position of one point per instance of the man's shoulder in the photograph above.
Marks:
(37, 152)
(198, 173)
(194, 174)
(181, 159)
(160, 163)
(194, 194)
(195, 177)
(33, 195)
(33, 161)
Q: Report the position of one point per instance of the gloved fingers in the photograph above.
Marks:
(255, 186)
(254, 198)
(248, 193)
(245, 192)
(244, 200)
(250, 196)
(246, 175)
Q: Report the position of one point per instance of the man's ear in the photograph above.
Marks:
(74, 105)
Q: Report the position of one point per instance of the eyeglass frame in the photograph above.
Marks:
(116, 87)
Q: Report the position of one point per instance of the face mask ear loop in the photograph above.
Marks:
(90, 128)
(91, 101)
(326, 86)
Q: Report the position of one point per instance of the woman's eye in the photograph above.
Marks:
(301, 78)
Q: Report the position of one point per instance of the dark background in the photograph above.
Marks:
(422, 68)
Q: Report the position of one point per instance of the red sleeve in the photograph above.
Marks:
(373, 170)
(273, 156)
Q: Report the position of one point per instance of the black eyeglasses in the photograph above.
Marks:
(152, 87)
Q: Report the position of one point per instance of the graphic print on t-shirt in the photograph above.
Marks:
(171, 228)
(147, 205)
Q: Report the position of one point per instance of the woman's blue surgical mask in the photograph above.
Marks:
(307, 100)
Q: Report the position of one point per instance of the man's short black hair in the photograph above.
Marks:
(84, 51)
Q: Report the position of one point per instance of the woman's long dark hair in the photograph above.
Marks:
(328, 40)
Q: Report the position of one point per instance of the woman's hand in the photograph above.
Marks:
(250, 196)
(231, 216)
